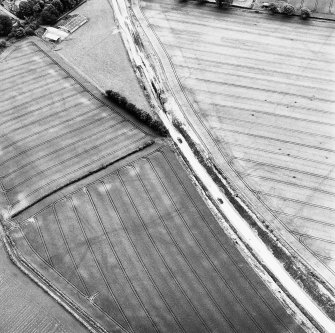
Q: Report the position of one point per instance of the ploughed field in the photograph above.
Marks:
(116, 230)
(53, 130)
(137, 249)
(25, 307)
(261, 92)
(19, 312)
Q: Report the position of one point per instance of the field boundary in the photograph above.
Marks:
(82, 81)
(71, 187)
(72, 182)
(18, 259)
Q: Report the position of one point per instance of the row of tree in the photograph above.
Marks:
(146, 118)
(6, 25)
(288, 10)
(48, 11)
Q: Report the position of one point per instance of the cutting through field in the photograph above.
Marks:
(137, 249)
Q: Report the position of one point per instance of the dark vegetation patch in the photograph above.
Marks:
(6, 25)
(141, 115)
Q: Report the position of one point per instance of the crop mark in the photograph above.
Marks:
(220, 242)
(67, 159)
(99, 267)
(110, 243)
(199, 246)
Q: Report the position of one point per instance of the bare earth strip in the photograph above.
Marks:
(53, 129)
(137, 249)
(262, 94)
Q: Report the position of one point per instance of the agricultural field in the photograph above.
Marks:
(260, 95)
(25, 307)
(53, 129)
(138, 250)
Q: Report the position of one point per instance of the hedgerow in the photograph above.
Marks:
(223, 3)
(6, 25)
(288, 9)
(305, 13)
(141, 115)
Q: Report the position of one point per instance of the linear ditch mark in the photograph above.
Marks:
(215, 236)
(44, 261)
(32, 101)
(263, 90)
(26, 80)
(266, 126)
(13, 78)
(205, 12)
(261, 100)
(40, 86)
(257, 111)
(88, 112)
(22, 263)
(242, 50)
(50, 115)
(114, 251)
(261, 70)
(84, 152)
(273, 139)
(209, 24)
(274, 166)
(68, 249)
(292, 184)
(97, 170)
(196, 241)
(252, 77)
(130, 240)
(81, 82)
(46, 250)
(274, 152)
(75, 170)
(98, 265)
(30, 112)
(91, 136)
(21, 66)
(232, 186)
(160, 254)
(308, 219)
